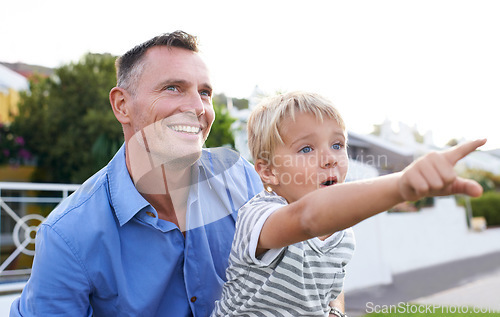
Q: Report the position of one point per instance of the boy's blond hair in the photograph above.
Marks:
(265, 120)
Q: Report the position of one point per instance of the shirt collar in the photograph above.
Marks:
(127, 201)
(125, 198)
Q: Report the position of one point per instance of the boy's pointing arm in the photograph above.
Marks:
(341, 206)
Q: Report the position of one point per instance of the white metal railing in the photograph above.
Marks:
(23, 207)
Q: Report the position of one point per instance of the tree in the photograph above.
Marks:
(67, 123)
(66, 120)
(221, 134)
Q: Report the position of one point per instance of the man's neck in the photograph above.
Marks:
(167, 191)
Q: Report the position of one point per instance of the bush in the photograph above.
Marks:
(486, 179)
(487, 206)
(12, 147)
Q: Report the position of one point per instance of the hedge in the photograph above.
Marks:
(487, 206)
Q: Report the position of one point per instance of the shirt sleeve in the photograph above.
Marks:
(270, 255)
(58, 285)
(250, 222)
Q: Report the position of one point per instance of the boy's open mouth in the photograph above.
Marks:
(330, 181)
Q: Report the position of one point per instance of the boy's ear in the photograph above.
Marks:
(118, 97)
(266, 172)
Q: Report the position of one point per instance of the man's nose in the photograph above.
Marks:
(195, 105)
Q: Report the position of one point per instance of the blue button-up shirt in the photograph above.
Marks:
(104, 251)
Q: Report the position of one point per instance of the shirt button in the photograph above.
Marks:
(149, 213)
(193, 299)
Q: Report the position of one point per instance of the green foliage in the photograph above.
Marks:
(486, 179)
(221, 99)
(12, 148)
(240, 103)
(221, 134)
(424, 202)
(487, 206)
(67, 121)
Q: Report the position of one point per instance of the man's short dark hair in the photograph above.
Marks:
(129, 66)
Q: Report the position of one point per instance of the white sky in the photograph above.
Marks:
(433, 63)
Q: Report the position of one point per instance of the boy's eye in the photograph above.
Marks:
(337, 146)
(305, 149)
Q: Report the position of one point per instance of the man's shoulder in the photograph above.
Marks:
(86, 199)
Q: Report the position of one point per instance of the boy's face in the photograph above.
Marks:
(313, 156)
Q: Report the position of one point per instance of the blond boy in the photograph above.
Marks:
(293, 240)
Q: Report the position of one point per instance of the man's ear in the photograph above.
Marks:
(119, 97)
(266, 172)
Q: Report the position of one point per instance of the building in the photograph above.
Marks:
(11, 83)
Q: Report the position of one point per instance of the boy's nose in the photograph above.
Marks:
(328, 160)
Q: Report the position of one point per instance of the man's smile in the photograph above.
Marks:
(185, 129)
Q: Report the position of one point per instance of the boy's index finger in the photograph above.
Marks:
(458, 152)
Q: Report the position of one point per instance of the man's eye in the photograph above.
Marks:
(171, 88)
(206, 93)
(305, 149)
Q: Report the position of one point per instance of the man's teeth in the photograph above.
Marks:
(185, 129)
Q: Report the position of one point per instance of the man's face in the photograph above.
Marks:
(171, 112)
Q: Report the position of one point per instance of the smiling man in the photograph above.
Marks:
(149, 234)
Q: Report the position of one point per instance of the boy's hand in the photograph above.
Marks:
(434, 174)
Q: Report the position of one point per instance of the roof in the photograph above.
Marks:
(11, 80)
(482, 161)
(364, 140)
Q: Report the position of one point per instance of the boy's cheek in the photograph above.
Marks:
(344, 167)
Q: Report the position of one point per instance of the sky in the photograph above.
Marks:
(430, 64)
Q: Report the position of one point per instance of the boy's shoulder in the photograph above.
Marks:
(263, 201)
(268, 197)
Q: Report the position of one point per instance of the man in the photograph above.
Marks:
(149, 234)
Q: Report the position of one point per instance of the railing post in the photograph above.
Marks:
(24, 225)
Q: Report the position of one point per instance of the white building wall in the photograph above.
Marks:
(394, 243)
(368, 266)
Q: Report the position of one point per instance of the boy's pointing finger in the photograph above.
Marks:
(458, 152)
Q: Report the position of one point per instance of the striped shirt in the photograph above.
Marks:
(297, 280)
